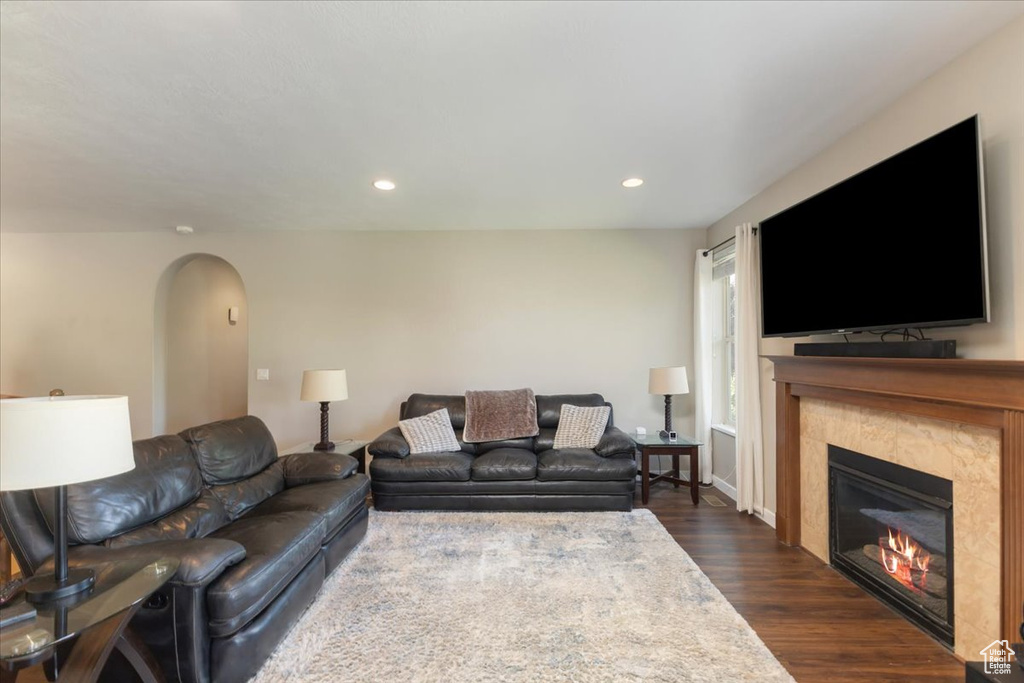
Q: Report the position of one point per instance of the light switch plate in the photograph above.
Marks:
(262, 374)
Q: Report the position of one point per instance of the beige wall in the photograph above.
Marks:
(206, 354)
(558, 311)
(988, 80)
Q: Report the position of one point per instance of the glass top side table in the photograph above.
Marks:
(97, 618)
(654, 444)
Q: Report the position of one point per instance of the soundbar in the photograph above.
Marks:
(945, 348)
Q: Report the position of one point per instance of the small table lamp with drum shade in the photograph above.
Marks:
(55, 441)
(668, 382)
(324, 386)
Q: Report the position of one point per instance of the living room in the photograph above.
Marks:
(142, 141)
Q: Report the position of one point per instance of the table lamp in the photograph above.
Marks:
(324, 386)
(668, 382)
(56, 441)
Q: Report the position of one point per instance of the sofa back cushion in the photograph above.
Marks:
(544, 441)
(202, 516)
(165, 478)
(488, 446)
(25, 527)
(419, 405)
(231, 450)
(238, 497)
(238, 461)
(550, 407)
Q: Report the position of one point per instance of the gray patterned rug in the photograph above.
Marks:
(477, 597)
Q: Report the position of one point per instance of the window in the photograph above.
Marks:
(724, 327)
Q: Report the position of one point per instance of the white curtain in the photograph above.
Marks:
(749, 446)
(703, 370)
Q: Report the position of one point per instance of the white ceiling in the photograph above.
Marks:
(230, 116)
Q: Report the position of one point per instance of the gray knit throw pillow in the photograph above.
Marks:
(580, 427)
(430, 433)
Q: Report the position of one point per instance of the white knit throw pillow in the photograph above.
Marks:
(580, 427)
(430, 433)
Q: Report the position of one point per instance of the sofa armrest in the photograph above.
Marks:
(615, 442)
(310, 468)
(390, 444)
(202, 559)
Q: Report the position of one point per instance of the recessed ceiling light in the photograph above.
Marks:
(632, 182)
(384, 184)
(184, 230)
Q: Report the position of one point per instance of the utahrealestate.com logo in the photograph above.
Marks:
(998, 657)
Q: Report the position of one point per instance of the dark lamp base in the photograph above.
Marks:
(324, 446)
(45, 588)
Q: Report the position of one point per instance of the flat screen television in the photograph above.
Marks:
(899, 245)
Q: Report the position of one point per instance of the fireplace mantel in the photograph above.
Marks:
(980, 392)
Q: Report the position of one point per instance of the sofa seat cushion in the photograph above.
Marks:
(504, 464)
(583, 464)
(334, 501)
(277, 547)
(423, 467)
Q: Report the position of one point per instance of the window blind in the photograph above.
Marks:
(724, 263)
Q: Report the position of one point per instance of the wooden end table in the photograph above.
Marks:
(653, 444)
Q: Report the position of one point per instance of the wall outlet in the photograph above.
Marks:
(262, 374)
(641, 431)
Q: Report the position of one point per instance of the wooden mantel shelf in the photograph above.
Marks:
(995, 384)
(983, 392)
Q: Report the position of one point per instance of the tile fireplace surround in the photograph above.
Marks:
(961, 420)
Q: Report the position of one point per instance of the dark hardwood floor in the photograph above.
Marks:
(818, 624)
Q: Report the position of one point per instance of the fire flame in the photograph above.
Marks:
(903, 558)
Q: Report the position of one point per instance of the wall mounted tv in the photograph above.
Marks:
(899, 245)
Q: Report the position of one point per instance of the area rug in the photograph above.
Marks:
(476, 597)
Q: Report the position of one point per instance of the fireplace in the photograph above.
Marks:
(891, 532)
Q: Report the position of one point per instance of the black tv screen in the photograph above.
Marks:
(899, 245)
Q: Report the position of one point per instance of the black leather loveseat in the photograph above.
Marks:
(517, 474)
(255, 534)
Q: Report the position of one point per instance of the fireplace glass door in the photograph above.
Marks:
(891, 531)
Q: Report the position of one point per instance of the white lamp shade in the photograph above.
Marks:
(324, 385)
(668, 381)
(58, 440)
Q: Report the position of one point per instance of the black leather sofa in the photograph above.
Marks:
(256, 536)
(518, 474)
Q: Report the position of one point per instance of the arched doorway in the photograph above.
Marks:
(201, 355)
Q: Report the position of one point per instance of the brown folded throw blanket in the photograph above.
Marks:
(500, 415)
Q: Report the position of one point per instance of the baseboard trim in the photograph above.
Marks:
(768, 517)
(724, 488)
